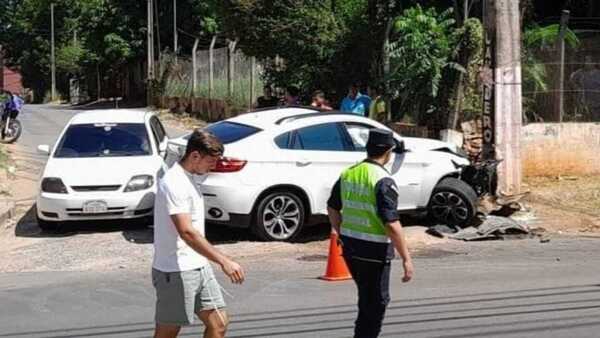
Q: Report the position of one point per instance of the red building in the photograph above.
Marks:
(10, 80)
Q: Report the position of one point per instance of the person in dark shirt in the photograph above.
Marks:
(292, 96)
(267, 100)
(362, 209)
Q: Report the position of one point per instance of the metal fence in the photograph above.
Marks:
(557, 90)
(239, 89)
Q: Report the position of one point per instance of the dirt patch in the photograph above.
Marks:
(6, 170)
(565, 204)
(179, 121)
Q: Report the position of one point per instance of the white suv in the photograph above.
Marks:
(281, 163)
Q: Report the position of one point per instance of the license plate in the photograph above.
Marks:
(94, 207)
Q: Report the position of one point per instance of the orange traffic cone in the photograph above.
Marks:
(336, 266)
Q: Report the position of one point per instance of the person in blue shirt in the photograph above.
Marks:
(355, 102)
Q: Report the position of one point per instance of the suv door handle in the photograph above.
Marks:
(303, 163)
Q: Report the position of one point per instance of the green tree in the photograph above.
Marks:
(423, 48)
(304, 33)
(69, 58)
(109, 34)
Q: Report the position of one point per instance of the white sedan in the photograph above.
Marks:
(281, 163)
(104, 166)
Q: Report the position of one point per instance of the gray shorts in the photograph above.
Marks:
(181, 295)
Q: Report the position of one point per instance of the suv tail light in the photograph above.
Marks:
(229, 165)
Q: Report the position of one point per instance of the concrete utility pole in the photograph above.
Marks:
(175, 29)
(252, 81)
(52, 58)
(150, 66)
(1, 68)
(386, 69)
(564, 20)
(156, 18)
(508, 101)
(211, 67)
(195, 67)
(230, 65)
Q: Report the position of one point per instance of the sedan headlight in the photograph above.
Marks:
(54, 185)
(140, 182)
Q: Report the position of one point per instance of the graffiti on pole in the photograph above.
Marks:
(487, 78)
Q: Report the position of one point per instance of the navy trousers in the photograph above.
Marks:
(373, 282)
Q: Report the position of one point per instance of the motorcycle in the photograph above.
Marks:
(10, 127)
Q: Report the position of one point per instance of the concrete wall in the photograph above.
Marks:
(552, 149)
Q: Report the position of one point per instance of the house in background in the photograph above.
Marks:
(10, 79)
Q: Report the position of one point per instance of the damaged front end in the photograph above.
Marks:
(482, 176)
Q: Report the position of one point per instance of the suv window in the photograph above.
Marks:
(359, 134)
(283, 140)
(326, 137)
(229, 132)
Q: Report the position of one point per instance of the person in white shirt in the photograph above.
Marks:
(181, 274)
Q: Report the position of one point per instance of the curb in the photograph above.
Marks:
(8, 213)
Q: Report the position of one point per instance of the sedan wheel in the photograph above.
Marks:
(280, 217)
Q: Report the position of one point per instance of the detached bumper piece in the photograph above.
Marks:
(492, 228)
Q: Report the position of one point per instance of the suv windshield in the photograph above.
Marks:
(229, 132)
(104, 139)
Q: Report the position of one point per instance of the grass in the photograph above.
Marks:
(239, 98)
(581, 194)
(3, 157)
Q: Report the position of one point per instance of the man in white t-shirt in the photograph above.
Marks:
(181, 274)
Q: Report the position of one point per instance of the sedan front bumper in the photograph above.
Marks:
(70, 207)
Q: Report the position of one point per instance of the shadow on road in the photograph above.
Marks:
(135, 231)
(141, 232)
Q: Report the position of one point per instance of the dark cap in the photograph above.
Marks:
(380, 139)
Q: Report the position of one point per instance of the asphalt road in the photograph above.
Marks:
(43, 123)
(515, 289)
(494, 289)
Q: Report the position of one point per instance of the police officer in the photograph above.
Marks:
(363, 210)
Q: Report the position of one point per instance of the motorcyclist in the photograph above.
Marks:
(13, 104)
(10, 109)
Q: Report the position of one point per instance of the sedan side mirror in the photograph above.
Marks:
(162, 148)
(43, 149)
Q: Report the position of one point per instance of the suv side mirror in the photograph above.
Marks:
(400, 148)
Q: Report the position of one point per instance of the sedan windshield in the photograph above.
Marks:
(102, 140)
